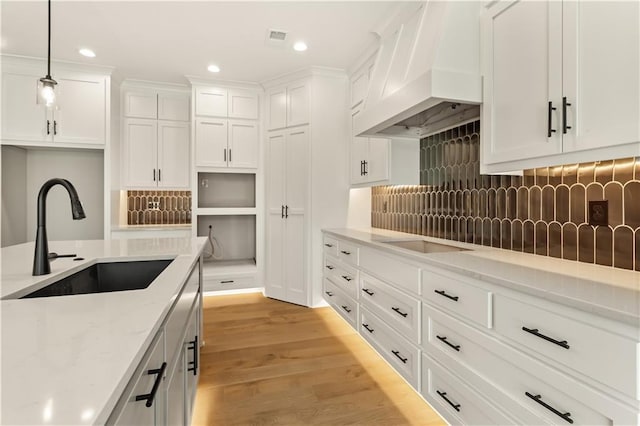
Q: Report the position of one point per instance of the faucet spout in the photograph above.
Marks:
(41, 265)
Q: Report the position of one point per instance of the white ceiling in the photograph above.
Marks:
(164, 41)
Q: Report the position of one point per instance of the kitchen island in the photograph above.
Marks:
(68, 359)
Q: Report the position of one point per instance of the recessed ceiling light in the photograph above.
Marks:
(300, 46)
(213, 68)
(87, 52)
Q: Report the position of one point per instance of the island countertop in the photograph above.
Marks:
(66, 360)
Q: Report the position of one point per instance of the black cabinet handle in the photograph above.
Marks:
(535, 332)
(225, 155)
(286, 212)
(538, 398)
(149, 397)
(282, 212)
(193, 345)
(448, 296)
(55, 127)
(230, 155)
(369, 292)
(329, 267)
(346, 308)
(345, 252)
(366, 326)
(48, 127)
(443, 395)
(549, 129)
(565, 104)
(347, 278)
(397, 354)
(154, 175)
(328, 245)
(226, 282)
(159, 175)
(451, 345)
(399, 312)
(366, 168)
(329, 293)
(361, 168)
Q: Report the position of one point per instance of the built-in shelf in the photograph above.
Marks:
(223, 268)
(226, 190)
(225, 211)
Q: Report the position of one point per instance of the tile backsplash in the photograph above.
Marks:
(158, 207)
(542, 212)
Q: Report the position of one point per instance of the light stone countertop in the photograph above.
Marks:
(609, 292)
(66, 360)
(172, 227)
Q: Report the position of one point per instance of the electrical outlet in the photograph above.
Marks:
(598, 213)
(153, 205)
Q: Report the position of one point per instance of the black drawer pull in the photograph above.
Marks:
(193, 365)
(366, 326)
(538, 398)
(535, 332)
(347, 277)
(226, 282)
(369, 292)
(329, 267)
(150, 397)
(329, 293)
(549, 116)
(346, 308)
(443, 395)
(328, 245)
(444, 339)
(399, 312)
(397, 354)
(345, 252)
(443, 293)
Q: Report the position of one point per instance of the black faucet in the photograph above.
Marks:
(41, 257)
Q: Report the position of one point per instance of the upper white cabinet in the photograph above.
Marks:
(223, 102)
(288, 105)
(560, 83)
(226, 143)
(79, 117)
(173, 106)
(359, 82)
(140, 104)
(156, 105)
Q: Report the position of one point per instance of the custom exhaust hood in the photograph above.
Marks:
(426, 75)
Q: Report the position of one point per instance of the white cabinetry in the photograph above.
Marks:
(226, 143)
(288, 105)
(551, 95)
(226, 102)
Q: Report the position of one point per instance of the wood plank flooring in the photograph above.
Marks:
(270, 362)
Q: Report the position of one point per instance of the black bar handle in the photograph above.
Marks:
(366, 168)
(369, 292)
(565, 104)
(361, 168)
(346, 308)
(282, 212)
(366, 326)
(329, 293)
(329, 267)
(537, 333)
(225, 155)
(443, 395)
(549, 129)
(345, 252)
(444, 339)
(443, 293)
(159, 175)
(55, 127)
(538, 398)
(48, 127)
(397, 354)
(347, 278)
(230, 155)
(149, 397)
(286, 212)
(226, 282)
(399, 312)
(154, 175)
(193, 345)
(328, 245)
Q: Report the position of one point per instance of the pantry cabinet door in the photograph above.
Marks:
(173, 154)
(277, 104)
(140, 153)
(297, 104)
(211, 142)
(275, 261)
(243, 144)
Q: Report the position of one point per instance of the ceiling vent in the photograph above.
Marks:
(276, 36)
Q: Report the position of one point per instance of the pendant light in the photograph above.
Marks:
(47, 83)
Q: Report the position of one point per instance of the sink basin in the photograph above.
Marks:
(424, 246)
(105, 277)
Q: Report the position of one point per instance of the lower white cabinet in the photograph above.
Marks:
(175, 384)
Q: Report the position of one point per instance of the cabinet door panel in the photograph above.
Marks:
(275, 265)
(173, 107)
(191, 355)
(81, 113)
(277, 109)
(22, 117)
(211, 102)
(294, 256)
(276, 172)
(243, 104)
(377, 167)
(173, 154)
(359, 154)
(141, 105)
(140, 154)
(297, 104)
(297, 163)
(243, 144)
(176, 394)
(211, 142)
(601, 64)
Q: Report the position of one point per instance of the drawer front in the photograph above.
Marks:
(401, 311)
(398, 351)
(343, 275)
(513, 383)
(608, 358)
(390, 269)
(177, 318)
(457, 296)
(348, 253)
(330, 246)
(228, 283)
(342, 303)
(456, 400)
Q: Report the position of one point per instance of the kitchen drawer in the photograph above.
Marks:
(401, 311)
(390, 269)
(454, 293)
(455, 400)
(228, 283)
(399, 352)
(342, 303)
(604, 356)
(348, 253)
(330, 246)
(343, 275)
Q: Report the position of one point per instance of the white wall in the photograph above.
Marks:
(85, 170)
(359, 213)
(14, 198)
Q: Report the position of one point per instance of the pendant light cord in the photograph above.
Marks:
(49, 45)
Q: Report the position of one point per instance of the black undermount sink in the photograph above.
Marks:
(105, 277)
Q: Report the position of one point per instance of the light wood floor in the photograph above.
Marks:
(270, 362)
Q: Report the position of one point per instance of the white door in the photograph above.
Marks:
(277, 99)
(140, 104)
(275, 284)
(140, 153)
(22, 117)
(173, 154)
(243, 144)
(377, 166)
(211, 142)
(358, 155)
(192, 359)
(80, 115)
(523, 73)
(211, 101)
(173, 106)
(242, 104)
(601, 65)
(176, 393)
(297, 104)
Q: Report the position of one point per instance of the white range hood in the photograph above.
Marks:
(427, 70)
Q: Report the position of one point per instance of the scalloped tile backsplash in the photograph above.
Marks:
(158, 207)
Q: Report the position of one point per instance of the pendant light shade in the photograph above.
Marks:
(47, 86)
